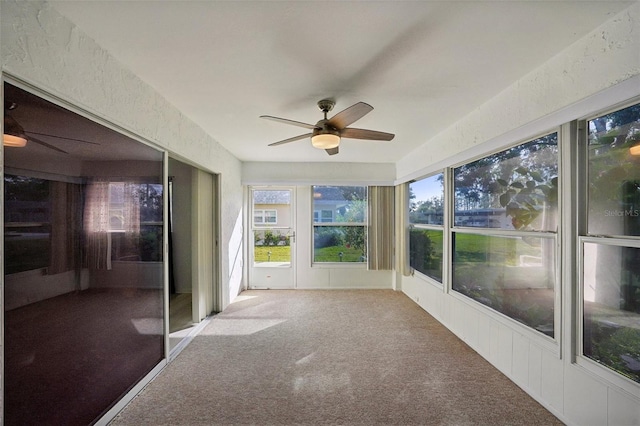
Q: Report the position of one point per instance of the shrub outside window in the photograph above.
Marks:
(344, 238)
(426, 219)
(504, 235)
(610, 253)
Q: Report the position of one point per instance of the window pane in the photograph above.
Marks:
(611, 293)
(103, 327)
(272, 206)
(271, 246)
(426, 200)
(425, 252)
(27, 212)
(270, 216)
(512, 189)
(614, 173)
(345, 204)
(339, 244)
(513, 275)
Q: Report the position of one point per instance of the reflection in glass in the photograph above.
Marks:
(425, 252)
(426, 200)
(83, 297)
(27, 213)
(512, 189)
(339, 244)
(611, 294)
(513, 275)
(614, 173)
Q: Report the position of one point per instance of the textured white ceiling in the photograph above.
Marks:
(422, 65)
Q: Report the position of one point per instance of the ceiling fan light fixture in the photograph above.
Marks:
(14, 141)
(14, 135)
(325, 140)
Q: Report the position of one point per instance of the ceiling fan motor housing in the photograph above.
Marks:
(326, 105)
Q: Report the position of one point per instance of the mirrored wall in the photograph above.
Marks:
(83, 265)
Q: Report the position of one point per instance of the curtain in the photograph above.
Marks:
(381, 227)
(96, 226)
(109, 207)
(66, 216)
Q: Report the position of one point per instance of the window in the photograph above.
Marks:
(340, 223)
(426, 219)
(323, 216)
(504, 235)
(27, 213)
(145, 246)
(265, 217)
(610, 247)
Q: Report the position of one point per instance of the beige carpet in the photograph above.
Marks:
(284, 357)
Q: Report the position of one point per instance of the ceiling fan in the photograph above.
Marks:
(15, 136)
(326, 133)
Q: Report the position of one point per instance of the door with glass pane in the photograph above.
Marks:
(272, 237)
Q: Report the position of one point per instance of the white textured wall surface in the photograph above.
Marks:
(606, 57)
(45, 50)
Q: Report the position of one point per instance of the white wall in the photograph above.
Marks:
(45, 50)
(597, 72)
(318, 173)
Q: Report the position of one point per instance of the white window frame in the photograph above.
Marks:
(441, 228)
(265, 214)
(551, 343)
(314, 224)
(581, 237)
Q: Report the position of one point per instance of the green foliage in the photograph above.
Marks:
(619, 350)
(327, 236)
(526, 195)
(269, 238)
(522, 179)
(425, 254)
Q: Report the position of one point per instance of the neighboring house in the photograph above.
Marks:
(328, 204)
(272, 208)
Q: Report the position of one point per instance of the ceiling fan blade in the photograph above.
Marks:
(350, 115)
(39, 142)
(62, 137)
(291, 122)
(372, 135)
(293, 139)
(332, 151)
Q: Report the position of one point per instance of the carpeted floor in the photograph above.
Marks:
(330, 357)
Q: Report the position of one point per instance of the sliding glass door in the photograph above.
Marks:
(83, 271)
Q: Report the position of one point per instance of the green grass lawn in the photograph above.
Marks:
(331, 254)
(327, 254)
(477, 248)
(278, 254)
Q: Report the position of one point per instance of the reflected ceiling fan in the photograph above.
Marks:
(326, 133)
(15, 136)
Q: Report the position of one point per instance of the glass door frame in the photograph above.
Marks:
(272, 274)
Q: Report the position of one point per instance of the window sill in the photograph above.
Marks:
(339, 265)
